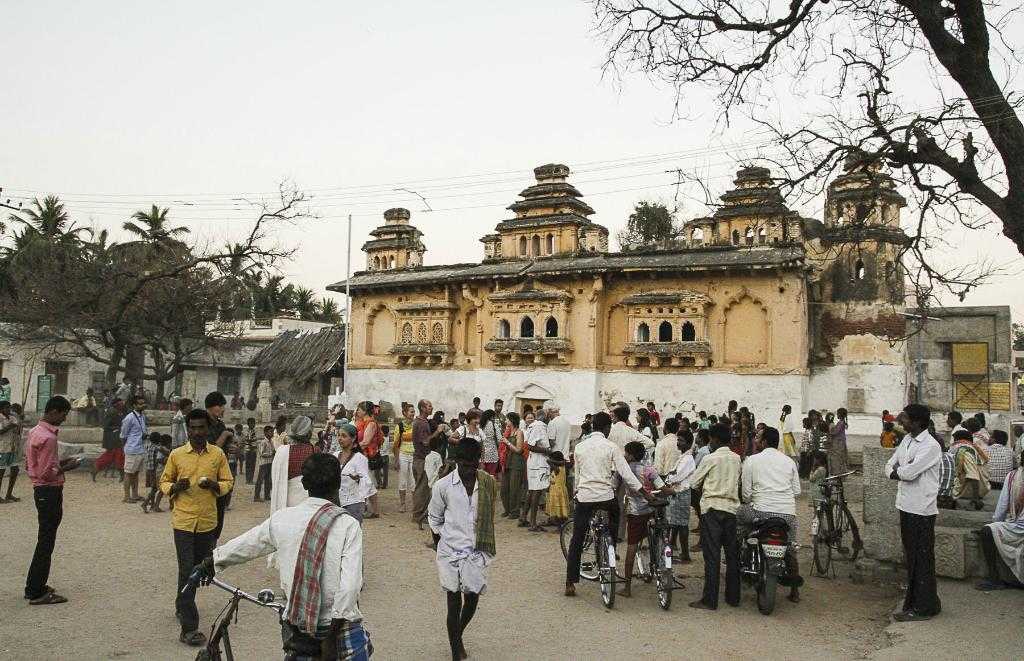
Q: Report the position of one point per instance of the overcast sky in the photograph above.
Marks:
(115, 106)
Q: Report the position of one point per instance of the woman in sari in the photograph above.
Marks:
(370, 437)
(515, 468)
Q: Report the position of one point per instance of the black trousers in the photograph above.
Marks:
(191, 548)
(580, 524)
(918, 534)
(50, 511)
(222, 506)
(718, 531)
(250, 466)
(263, 479)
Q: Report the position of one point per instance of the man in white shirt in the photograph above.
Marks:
(666, 452)
(916, 464)
(621, 433)
(597, 461)
(559, 433)
(538, 473)
(341, 572)
(769, 486)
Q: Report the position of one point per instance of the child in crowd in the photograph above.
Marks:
(638, 511)
(818, 474)
(249, 444)
(237, 450)
(557, 507)
(157, 447)
(432, 465)
(888, 437)
(265, 451)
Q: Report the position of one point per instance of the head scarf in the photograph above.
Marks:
(302, 429)
(349, 429)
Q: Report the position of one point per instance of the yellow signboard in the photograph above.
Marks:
(982, 396)
(970, 358)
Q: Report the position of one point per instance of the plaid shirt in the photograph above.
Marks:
(1000, 462)
(155, 456)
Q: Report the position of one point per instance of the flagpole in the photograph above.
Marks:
(348, 305)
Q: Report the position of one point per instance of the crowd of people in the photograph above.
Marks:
(457, 475)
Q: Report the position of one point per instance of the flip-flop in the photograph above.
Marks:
(192, 638)
(47, 599)
(46, 588)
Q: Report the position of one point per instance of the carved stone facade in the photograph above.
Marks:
(549, 297)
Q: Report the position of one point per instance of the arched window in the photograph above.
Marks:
(697, 235)
(643, 333)
(859, 272)
(551, 327)
(522, 246)
(407, 333)
(748, 236)
(408, 258)
(550, 247)
(689, 332)
(762, 236)
(665, 332)
(735, 237)
(863, 211)
(437, 333)
(526, 327)
(785, 231)
(536, 245)
(376, 263)
(421, 334)
(391, 262)
(504, 329)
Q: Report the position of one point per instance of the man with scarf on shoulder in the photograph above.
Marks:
(319, 548)
(461, 517)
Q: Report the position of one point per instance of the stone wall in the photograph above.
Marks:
(957, 550)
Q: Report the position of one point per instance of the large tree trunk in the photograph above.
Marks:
(116, 356)
(159, 373)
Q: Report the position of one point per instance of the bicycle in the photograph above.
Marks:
(656, 548)
(219, 631)
(597, 561)
(832, 520)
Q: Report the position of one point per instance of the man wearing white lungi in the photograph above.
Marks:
(1002, 541)
(286, 470)
(461, 518)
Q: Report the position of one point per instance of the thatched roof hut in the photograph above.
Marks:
(300, 357)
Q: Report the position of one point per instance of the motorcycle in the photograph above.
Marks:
(763, 560)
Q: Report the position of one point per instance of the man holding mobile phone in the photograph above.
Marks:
(195, 475)
(46, 472)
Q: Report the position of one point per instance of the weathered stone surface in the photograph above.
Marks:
(950, 559)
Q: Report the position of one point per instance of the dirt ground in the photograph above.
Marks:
(117, 567)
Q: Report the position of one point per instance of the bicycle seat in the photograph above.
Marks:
(658, 503)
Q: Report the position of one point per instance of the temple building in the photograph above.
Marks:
(755, 303)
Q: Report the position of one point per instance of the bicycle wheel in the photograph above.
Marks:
(854, 532)
(588, 558)
(840, 524)
(663, 572)
(642, 564)
(606, 569)
(820, 544)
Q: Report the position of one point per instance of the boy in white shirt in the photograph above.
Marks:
(432, 463)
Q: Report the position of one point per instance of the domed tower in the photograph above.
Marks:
(862, 236)
(396, 243)
(551, 219)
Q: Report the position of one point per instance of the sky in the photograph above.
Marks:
(197, 106)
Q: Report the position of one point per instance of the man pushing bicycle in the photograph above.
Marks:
(319, 548)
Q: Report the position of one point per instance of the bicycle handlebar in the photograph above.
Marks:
(833, 478)
(193, 583)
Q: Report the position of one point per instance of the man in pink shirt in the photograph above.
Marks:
(47, 474)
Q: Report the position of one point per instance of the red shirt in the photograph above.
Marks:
(41, 456)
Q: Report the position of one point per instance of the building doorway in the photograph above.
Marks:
(522, 402)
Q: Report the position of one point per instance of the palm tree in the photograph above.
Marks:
(153, 226)
(305, 303)
(328, 311)
(48, 219)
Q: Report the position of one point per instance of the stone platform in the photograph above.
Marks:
(957, 550)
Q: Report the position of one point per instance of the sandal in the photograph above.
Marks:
(13, 499)
(145, 507)
(536, 529)
(47, 599)
(372, 516)
(192, 638)
(46, 588)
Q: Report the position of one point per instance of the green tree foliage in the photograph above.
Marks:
(649, 224)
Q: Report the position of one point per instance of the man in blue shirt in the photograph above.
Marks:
(133, 434)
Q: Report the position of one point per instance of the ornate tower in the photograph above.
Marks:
(396, 243)
(551, 219)
(862, 237)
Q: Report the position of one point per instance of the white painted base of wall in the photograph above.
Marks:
(885, 387)
(579, 391)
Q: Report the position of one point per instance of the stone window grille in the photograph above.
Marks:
(407, 333)
(437, 333)
(421, 333)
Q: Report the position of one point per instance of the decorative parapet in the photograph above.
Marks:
(668, 354)
(534, 350)
(423, 355)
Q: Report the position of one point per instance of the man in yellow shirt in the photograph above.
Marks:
(718, 478)
(195, 475)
